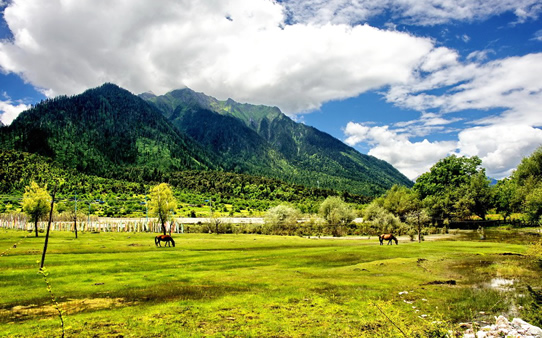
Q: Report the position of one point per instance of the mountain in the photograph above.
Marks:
(109, 132)
(258, 139)
(105, 131)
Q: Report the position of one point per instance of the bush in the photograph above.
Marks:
(535, 250)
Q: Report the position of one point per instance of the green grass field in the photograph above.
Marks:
(122, 285)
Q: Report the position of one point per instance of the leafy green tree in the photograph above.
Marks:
(528, 180)
(505, 197)
(282, 219)
(527, 184)
(418, 219)
(337, 213)
(533, 204)
(479, 191)
(448, 173)
(400, 200)
(439, 207)
(455, 187)
(162, 203)
(529, 171)
(386, 221)
(36, 203)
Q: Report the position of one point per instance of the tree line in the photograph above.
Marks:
(456, 188)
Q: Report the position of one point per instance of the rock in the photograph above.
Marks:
(518, 328)
(529, 329)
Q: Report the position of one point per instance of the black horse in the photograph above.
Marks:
(389, 238)
(164, 238)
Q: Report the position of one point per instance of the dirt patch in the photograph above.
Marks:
(440, 282)
(68, 307)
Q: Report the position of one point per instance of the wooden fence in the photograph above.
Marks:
(108, 225)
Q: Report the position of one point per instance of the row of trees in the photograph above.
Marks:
(37, 204)
(120, 198)
(334, 211)
(456, 189)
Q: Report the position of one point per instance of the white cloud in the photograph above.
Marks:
(9, 111)
(439, 58)
(500, 147)
(428, 12)
(511, 84)
(510, 87)
(238, 48)
(295, 55)
(410, 158)
(480, 56)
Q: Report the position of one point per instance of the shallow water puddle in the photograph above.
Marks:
(501, 284)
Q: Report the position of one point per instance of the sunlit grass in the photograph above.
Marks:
(248, 285)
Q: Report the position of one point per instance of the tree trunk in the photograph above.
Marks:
(36, 226)
(48, 228)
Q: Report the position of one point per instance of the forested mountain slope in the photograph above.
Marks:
(261, 140)
(109, 132)
(105, 131)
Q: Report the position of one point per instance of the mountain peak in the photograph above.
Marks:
(103, 131)
(147, 95)
(259, 139)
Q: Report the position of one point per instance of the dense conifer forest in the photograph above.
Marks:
(111, 133)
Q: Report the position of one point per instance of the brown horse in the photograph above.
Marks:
(389, 238)
(164, 238)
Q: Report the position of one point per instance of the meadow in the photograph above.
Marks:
(122, 285)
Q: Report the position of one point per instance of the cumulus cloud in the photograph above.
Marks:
(500, 147)
(9, 111)
(511, 84)
(295, 55)
(510, 87)
(429, 12)
(411, 158)
(238, 48)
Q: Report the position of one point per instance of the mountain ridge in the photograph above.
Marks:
(104, 131)
(110, 132)
(300, 149)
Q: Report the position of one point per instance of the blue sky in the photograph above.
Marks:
(407, 81)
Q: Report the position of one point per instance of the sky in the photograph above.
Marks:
(407, 81)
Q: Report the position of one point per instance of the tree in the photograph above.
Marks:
(162, 203)
(455, 186)
(282, 219)
(418, 218)
(386, 221)
(529, 171)
(480, 193)
(505, 197)
(337, 213)
(400, 200)
(533, 204)
(36, 203)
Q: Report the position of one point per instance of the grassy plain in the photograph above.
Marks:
(122, 285)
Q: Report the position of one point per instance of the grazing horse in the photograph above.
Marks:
(164, 238)
(389, 238)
